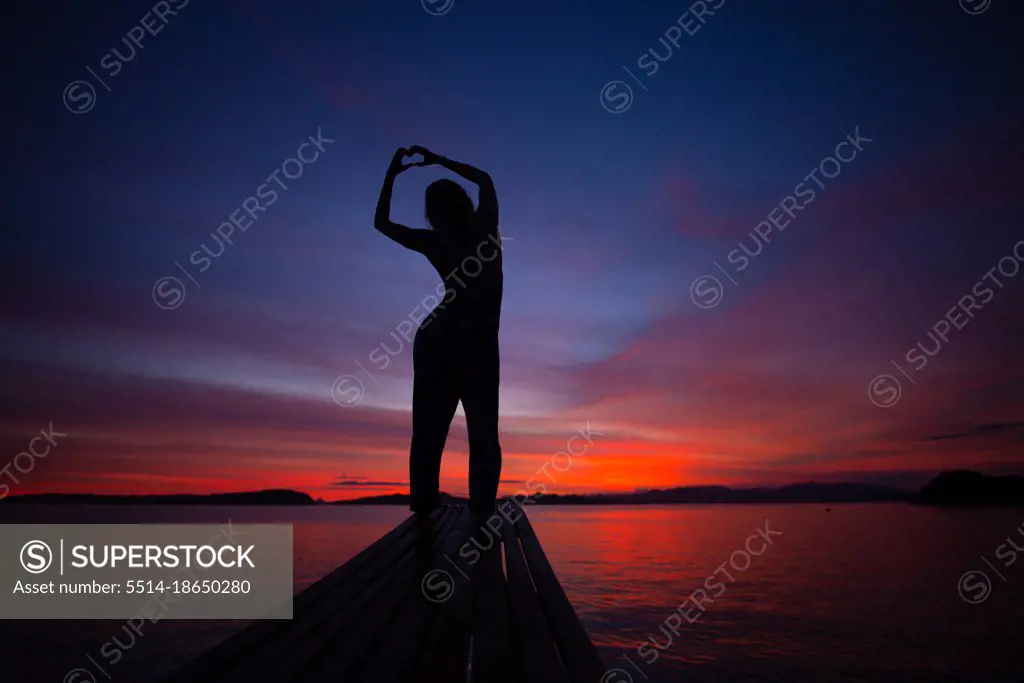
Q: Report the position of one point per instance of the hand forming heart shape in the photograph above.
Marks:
(406, 158)
(407, 155)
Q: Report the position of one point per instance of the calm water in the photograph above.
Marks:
(861, 593)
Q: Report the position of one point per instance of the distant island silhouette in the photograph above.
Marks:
(952, 488)
(964, 487)
(269, 497)
(809, 492)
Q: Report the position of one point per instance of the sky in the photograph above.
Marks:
(738, 240)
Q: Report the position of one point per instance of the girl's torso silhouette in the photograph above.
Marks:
(471, 269)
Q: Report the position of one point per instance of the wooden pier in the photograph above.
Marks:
(422, 604)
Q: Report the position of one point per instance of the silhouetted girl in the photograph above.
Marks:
(455, 353)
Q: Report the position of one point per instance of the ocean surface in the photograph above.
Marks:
(868, 592)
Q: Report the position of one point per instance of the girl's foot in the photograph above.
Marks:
(423, 507)
(481, 512)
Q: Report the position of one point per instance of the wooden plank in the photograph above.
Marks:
(446, 652)
(364, 564)
(337, 653)
(532, 644)
(492, 644)
(371, 619)
(323, 622)
(211, 664)
(578, 653)
(393, 657)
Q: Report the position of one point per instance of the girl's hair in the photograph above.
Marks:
(449, 210)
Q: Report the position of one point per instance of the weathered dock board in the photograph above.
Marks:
(431, 601)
